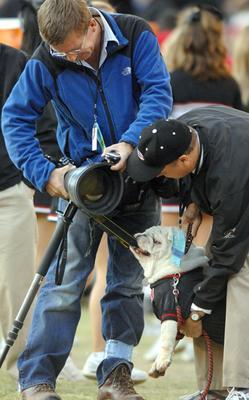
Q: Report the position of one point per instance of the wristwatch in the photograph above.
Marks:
(195, 316)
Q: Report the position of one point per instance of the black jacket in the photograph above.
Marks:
(12, 62)
(221, 189)
(221, 91)
(164, 304)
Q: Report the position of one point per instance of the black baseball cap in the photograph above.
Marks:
(159, 144)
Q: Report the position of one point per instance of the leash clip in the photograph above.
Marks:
(175, 291)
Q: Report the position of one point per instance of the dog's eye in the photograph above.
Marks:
(156, 241)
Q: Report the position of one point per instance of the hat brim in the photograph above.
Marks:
(139, 171)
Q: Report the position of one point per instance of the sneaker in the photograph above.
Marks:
(138, 375)
(212, 395)
(40, 392)
(2, 345)
(119, 386)
(70, 372)
(236, 394)
(95, 358)
(92, 363)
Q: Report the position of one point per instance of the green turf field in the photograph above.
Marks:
(180, 378)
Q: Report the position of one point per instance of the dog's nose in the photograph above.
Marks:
(155, 241)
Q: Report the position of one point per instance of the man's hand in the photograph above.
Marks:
(124, 149)
(55, 186)
(192, 328)
(193, 216)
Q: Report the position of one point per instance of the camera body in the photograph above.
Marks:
(112, 157)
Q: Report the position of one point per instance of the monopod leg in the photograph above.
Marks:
(39, 276)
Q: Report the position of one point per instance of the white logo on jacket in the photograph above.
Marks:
(158, 242)
(126, 71)
(230, 234)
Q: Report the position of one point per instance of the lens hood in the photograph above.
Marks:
(95, 188)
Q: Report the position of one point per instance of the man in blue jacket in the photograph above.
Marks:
(103, 73)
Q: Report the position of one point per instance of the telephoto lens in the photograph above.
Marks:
(95, 188)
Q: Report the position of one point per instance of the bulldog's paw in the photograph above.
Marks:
(159, 366)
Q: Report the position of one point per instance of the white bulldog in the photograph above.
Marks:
(155, 256)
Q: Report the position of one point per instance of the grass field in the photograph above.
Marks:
(179, 380)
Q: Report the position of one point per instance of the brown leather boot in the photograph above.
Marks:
(40, 392)
(119, 386)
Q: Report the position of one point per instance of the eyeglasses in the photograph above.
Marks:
(73, 53)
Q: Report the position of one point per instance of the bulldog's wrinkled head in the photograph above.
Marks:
(156, 242)
(161, 252)
(155, 252)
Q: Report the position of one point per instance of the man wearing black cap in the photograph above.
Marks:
(207, 149)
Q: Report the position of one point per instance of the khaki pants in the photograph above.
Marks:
(18, 239)
(236, 347)
(233, 370)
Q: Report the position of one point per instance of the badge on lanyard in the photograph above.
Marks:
(97, 137)
(178, 247)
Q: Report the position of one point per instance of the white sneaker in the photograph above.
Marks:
(93, 361)
(235, 394)
(138, 375)
(212, 395)
(2, 345)
(70, 372)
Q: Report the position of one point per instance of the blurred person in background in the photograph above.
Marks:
(17, 215)
(196, 57)
(10, 9)
(241, 64)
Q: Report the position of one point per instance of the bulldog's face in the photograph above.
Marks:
(155, 251)
(155, 242)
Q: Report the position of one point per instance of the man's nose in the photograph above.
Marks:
(72, 57)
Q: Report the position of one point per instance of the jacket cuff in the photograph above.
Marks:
(194, 307)
(206, 305)
(127, 139)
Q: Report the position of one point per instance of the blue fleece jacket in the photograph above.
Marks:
(131, 91)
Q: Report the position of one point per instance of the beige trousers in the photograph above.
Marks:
(18, 240)
(232, 369)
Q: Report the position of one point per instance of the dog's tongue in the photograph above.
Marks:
(138, 250)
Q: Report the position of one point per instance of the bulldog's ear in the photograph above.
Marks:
(148, 231)
(139, 234)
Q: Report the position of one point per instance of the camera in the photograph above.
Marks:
(112, 157)
(95, 188)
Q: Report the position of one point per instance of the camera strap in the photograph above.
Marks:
(107, 225)
(110, 227)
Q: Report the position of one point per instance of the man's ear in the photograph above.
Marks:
(183, 158)
(185, 161)
(92, 23)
